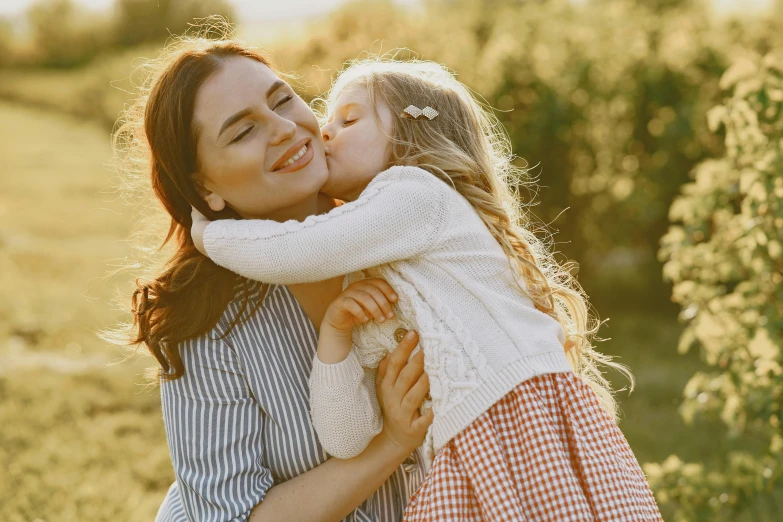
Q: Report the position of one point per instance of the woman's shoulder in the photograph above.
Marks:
(221, 351)
(245, 306)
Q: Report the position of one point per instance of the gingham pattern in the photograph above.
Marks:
(547, 451)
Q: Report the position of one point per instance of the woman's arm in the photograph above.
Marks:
(397, 217)
(214, 428)
(329, 492)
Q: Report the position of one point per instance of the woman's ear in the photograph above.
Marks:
(215, 202)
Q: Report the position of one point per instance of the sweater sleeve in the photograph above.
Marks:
(398, 216)
(343, 406)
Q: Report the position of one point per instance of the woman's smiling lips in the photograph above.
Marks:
(295, 158)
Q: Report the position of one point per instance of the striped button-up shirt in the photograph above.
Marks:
(238, 421)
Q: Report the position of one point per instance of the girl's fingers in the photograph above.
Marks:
(356, 310)
(380, 299)
(197, 216)
(369, 304)
(384, 287)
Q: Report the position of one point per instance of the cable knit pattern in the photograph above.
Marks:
(480, 335)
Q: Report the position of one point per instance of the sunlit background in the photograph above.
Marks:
(656, 129)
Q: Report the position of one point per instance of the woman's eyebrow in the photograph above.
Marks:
(231, 120)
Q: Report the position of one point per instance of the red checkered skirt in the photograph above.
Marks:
(547, 451)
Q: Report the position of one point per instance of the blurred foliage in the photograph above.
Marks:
(725, 258)
(6, 42)
(96, 92)
(142, 21)
(65, 34)
(608, 98)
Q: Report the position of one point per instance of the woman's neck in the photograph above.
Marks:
(316, 204)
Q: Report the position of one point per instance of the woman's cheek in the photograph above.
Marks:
(253, 152)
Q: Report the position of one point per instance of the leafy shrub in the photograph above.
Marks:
(142, 21)
(612, 112)
(725, 258)
(65, 35)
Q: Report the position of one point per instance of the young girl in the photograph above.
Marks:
(518, 435)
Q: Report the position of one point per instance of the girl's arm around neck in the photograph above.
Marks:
(397, 217)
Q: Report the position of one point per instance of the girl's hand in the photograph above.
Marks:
(401, 387)
(360, 302)
(200, 223)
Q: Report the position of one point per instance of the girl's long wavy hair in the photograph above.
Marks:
(155, 144)
(467, 147)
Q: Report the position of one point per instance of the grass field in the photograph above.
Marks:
(82, 439)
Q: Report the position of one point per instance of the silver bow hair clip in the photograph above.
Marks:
(414, 112)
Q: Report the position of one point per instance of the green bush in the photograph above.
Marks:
(142, 21)
(65, 35)
(725, 258)
(613, 113)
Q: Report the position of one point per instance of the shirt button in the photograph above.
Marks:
(399, 333)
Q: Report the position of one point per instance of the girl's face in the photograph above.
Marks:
(259, 146)
(357, 144)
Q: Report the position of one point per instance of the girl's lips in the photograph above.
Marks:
(301, 162)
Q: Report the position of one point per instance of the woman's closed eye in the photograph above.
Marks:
(245, 132)
(285, 100)
(349, 122)
(242, 134)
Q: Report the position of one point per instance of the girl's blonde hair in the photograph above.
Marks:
(467, 147)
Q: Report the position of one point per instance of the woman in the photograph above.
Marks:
(229, 137)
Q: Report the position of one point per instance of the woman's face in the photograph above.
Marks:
(259, 146)
(357, 144)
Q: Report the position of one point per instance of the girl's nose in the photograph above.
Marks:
(326, 133)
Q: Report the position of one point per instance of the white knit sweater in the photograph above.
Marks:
(481, 336)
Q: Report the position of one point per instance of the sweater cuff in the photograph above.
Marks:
(347, 370)
(211, 235)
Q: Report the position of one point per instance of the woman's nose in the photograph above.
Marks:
(283, 130)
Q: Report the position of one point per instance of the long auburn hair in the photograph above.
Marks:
(156, 140)
(467, 147)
